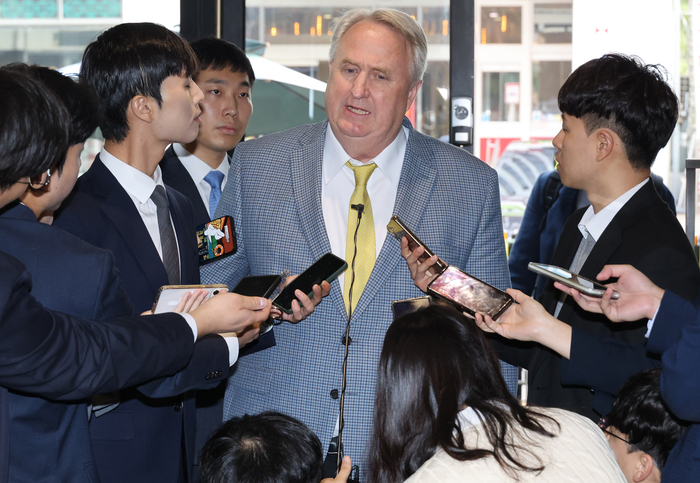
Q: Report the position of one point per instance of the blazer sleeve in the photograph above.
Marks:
(208, 366)
(62, 357)
(676, 335)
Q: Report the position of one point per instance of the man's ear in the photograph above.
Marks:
(412, 94)
(605, 142)
(644, 467)
(143, 108)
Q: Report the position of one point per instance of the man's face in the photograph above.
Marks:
(369, 89)
(627, 461)
(226, 110)
(576, 153)
(177, 120)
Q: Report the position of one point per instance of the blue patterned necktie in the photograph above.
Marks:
(214, 178)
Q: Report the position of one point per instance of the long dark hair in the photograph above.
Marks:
(435, 362)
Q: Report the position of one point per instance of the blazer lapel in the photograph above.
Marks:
(306, 168)
(120, 209)
(413, 193)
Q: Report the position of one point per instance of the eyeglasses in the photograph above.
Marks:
(39, 181)
(603, 424)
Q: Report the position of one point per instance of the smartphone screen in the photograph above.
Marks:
(328, 267)
(469, 293)
(399, 229)
(257, 285)
(407, 306)
(570, 279)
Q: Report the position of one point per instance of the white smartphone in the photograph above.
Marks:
(169, 296)
(570, 279)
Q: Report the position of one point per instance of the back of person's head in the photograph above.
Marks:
(217, 54)
(622, 94)
(434, 363)
(132, 59)
(399, 22)
(34, 128)
(641, 415)
(269, 447)
(79, 99)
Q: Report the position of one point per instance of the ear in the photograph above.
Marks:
(605, 142)
(412, 94)
(143, 108)
(644, 468)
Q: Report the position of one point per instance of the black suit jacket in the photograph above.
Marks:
(141, 440)
(644, 234)
(210, 403)
(62, 357)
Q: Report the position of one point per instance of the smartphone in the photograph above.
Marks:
(257, 285)
(328, 267)
(407, 306)
(469, 294)
(216, 239)
(397, 228)
(570, 279)
(169, 296)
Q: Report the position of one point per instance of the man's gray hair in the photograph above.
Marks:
(399, 22)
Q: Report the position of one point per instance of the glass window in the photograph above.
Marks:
(501, 25)
(29, 9)
(553, 23)
(92, 8)
(547, 79)
(501, 96)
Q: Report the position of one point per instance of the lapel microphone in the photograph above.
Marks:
(360, 208)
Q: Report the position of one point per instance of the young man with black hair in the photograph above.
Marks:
(617, 114)
(60, 356)
(266, 447)
(640, 428)
(199, 169)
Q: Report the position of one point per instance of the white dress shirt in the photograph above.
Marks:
(139, 186)
(338, 183)
(198, 169)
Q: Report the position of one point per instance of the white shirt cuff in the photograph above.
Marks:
(193, 325)
(650, 323)
(232, 343)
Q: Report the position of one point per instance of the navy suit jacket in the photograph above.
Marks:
(141, 440)
(448, 197)
(76, 278)
(536, 241)
(676, 336)
(63, 357)
(210, 402)
(644, 234)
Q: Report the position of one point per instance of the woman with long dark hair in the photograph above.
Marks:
(443, 413)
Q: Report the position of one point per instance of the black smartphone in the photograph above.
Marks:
(570, 279)
(328, 267)
(216, 239)
(407, 306)
(257, 285)
(469, 294)
(399, 229)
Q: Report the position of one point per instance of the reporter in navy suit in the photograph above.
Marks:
(56, 355)
(142, 76)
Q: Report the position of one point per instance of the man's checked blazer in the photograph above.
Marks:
(447, 196)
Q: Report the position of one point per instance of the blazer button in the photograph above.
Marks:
(342, 341)
(178, 406)
(334, 394)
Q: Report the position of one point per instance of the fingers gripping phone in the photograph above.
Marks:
(570, 279)
(467, 293)
(169, 296)
(328, 267)
(257, 285)
(399, 230)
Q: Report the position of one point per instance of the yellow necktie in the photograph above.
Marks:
(366, 243)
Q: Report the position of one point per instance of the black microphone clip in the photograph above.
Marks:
(360, 208)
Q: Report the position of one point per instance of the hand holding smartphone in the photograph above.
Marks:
(328, 267)
(399, 230)
(169, 296)
(570, 279)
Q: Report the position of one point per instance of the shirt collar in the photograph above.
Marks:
(389, 161)
(595, 223)
(139, 185)
(197, 168)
